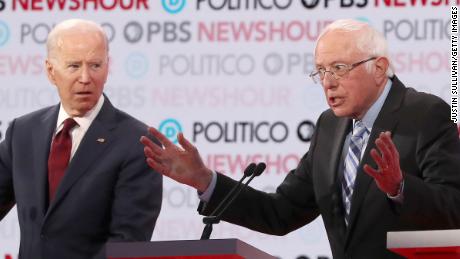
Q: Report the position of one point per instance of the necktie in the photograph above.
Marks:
(59, 156)
(352, 160)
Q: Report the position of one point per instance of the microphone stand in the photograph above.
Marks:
(231, 196)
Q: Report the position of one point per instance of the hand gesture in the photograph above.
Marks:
(388, 176)
(182, 164)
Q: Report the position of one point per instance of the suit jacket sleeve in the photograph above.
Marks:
(137, 198)
(292, 205)
(432, 196)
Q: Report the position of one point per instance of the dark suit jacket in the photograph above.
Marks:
(108, 192)
(429, 149)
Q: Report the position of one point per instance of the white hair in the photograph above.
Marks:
(54, 37)
(369, 41)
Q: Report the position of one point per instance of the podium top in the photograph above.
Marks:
(185, 247)
(419, 239)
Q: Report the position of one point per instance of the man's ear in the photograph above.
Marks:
(381, 67)
(50, 71)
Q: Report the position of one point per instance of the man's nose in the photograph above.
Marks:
(84, 76)
(329, 80)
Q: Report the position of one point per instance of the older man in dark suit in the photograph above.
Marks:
(383, 157)
(76, 170)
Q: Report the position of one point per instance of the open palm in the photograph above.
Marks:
(180, 163)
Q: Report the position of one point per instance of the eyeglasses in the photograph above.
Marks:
(337, 70)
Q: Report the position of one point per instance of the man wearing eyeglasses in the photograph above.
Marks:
(383, 157)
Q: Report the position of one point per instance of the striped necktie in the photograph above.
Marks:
(352, 160)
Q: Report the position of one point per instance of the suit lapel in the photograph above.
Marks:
(98, 137)
(43, 132)
(386, 121)
(333, 181)
(341, 131)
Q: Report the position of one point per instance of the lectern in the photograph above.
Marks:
(185, 249)
(433, 244)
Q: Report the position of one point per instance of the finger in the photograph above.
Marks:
(371, 172)
(391, 146)
(377, 158)
(150, 144)
(162, 138)
(390, 157)
(185, 143)
(150, 154)
(158, 157)
(159, 161)
(157, 167)
(147, 142)
(384, 150)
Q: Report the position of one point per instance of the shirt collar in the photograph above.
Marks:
(371, 115)
(83, 122)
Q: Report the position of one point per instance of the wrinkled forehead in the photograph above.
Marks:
(79, 48)
(75, 35)
(337, 46)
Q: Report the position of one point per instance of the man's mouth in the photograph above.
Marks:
(335, 101)
(84, 93)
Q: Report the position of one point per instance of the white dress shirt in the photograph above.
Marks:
(79, 131)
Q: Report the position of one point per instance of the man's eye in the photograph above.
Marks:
(321, 70)
(73, 66)
(96, 65)
(339, 67)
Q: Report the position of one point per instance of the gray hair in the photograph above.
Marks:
(370, 41)
(54, 37)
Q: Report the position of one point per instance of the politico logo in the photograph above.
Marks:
(240, 132)
(417, 29)
(219, 5)
(249, 131)
(235, 64)
(281, 5)
(232, 132)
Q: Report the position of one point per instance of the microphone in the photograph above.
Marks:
(257, 171)
(248, 171)
(253, 171)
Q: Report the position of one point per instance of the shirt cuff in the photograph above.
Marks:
(206, 195)
(400, 196)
